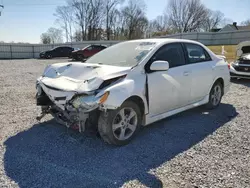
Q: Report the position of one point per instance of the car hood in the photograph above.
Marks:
(79, 77)
(245, 56)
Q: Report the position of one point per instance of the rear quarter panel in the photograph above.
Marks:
(222, 71)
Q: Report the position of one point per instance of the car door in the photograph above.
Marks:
(201, 65)
(58, 52)
(168, 90)
(67, 51)
(96, 49)
(88, 51)
(54, 52)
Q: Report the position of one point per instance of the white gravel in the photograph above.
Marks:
(196, 148)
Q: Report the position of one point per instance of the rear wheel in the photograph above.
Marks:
(118, 127)
(215, 96)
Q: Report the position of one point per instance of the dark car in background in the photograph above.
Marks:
(62, 51)
(87, 52)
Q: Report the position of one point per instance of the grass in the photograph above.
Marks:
(230, 51)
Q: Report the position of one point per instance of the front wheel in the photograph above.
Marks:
(48, 56)
(118, 127)
(215, 96)
(79, 57)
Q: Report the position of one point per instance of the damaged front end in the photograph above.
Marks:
(73, 109)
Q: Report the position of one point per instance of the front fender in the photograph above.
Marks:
(120, 92)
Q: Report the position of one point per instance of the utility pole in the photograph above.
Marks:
(1, 7)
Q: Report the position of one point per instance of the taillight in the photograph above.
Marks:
(228, 65)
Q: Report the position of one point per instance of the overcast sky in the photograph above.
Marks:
(25, 20)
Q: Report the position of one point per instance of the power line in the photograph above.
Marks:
(33, 5)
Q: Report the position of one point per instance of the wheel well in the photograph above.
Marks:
(221, 81)
(139, 102)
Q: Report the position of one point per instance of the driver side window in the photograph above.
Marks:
(172, 53)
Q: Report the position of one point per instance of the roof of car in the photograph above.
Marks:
(165, 40)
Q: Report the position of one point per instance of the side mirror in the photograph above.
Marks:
(159, 66)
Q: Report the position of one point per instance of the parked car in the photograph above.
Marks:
(87, 52)
(133, 84)
(62, 51)
(241, 67)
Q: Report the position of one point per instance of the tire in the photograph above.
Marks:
(79, 57)
(122, 133)
(215, 97)
(48, 56)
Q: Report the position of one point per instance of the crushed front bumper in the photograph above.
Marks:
(71, 110)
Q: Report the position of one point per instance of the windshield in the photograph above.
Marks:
(125, 54)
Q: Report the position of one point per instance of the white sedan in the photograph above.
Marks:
(132, 84)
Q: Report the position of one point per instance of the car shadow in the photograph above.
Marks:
(46, 155)
(245, 82)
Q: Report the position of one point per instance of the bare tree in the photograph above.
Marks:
(81, 10)
(186, 15)
(161, 23)
(77, 36)
(96, 19)
(64, 16)
(158, 26)
(45, 38)
(53, 35)
(110, 12)
(214, 20)
(134, 18)
(89, 16)
(245, 23)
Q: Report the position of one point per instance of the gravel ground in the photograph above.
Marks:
(196, 148)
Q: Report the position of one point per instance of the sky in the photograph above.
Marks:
(25, 20)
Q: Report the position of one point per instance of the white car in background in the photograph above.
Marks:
(133, 84)
(241, 67)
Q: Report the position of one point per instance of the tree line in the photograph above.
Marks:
(82, 20)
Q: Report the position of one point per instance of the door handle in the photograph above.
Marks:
(186, 73)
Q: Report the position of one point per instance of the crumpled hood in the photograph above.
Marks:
(79, 77)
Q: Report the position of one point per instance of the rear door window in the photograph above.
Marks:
(196, 53)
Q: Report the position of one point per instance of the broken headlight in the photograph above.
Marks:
(85, 102)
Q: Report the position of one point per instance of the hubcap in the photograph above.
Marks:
(124, 124)
(216, 95)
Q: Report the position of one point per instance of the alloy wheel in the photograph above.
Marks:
(216, 95)
(124, 124)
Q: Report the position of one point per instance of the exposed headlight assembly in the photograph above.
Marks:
(85, 102)
(89, 102)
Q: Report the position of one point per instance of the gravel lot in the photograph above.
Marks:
(196, 148)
